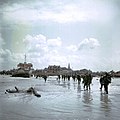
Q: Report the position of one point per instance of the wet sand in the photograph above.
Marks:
(60, 100)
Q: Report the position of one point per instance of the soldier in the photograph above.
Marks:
(107, 80)
(79, 79)
(84, 81)
(45, 77)
(101, 82)
(87, 80)
(58, 77)
(73, 77)
(68, 76)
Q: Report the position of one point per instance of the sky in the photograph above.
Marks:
(84, 33)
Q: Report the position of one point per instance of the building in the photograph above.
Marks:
(53, 70)
(25, 66)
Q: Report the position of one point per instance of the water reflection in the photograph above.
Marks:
(78, 88)
(68, 84)
(105, 105)
(64, 84)
(104, 98)
(74, 85)
(87, 97)
(79, 91)
(105, 101)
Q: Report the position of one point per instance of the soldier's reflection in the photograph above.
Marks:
(105, 104)
(68, 84)
(74, 85)
(104, 98)
(78, 88)
(78, 91)
(87, 97)
(105, 101)
(64, 84)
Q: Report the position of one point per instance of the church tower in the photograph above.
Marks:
(69, 66)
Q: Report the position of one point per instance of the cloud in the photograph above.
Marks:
(72, 48)
(55, 58)
(5, 55)
(88, 43)
(39, 43)
(22, 15)
(54, 42)
(56, 12)
(1, 41)
(7, 59)
(35, 43)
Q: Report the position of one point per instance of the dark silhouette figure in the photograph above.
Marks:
(79, 79)
(101, 82)
(87, 80)
(73, 77)
(45, 77)
(13, 91)
(68, 77)
(107, 80)
(16, 89)
(58, 77)
(64, 77)
(84, 81)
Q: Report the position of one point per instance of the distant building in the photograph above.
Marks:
(69, 66)
(53, 69)
(25, 66)
(82, 71)
(65, 70)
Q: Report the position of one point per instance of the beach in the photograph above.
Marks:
(60, 100)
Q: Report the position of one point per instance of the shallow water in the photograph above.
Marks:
(60, 100)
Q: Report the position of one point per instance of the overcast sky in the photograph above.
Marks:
(84, 33)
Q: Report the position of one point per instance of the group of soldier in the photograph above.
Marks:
(87, 80)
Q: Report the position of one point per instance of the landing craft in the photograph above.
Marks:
(23, 70)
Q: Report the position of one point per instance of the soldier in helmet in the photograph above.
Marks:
(106, 81)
